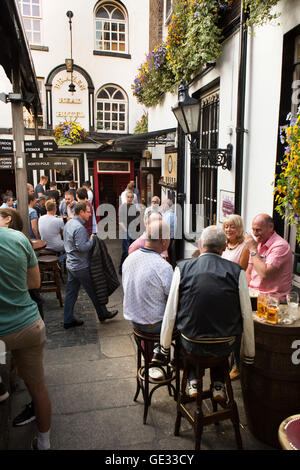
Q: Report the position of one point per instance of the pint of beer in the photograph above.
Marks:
(262, 305)
(272, 309)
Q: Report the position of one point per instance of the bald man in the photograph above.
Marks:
(147, 279)
(270, 264)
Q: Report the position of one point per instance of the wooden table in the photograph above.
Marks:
(271, 386)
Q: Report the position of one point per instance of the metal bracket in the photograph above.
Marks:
(216, 157)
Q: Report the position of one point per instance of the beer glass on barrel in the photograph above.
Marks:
(262, 305)
(272, 308)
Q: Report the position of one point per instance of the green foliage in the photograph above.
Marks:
(194, 39)
(287, 187)
(142, 125)
(260, 12)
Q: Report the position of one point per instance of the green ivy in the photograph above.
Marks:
(194, 39)
(142, 125)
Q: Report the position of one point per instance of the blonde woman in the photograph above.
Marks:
(235, 245)
(237, 252)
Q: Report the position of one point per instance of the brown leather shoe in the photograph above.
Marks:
(234, 373)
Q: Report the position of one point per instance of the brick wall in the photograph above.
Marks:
(155, 23)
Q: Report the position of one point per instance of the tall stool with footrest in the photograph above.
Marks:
(148, 385)
(48, 264)
(199, 420)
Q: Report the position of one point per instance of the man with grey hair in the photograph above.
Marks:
(146, 279)
(210, 304)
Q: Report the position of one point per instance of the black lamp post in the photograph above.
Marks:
(187, 113)
(69, 62)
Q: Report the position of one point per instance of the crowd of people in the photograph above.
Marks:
(206, 298)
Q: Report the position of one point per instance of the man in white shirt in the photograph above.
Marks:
(87, 185)
(155, 206)
(130, 188)
(147, 279)
(51, 228)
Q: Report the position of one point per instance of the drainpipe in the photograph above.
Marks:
(240, 130)
(180, 189)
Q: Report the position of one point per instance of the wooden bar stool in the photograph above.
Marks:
(49, 265)
(145, 343)
(199, 420)
(62, 266)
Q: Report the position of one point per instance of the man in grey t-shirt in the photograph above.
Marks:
(51, 228)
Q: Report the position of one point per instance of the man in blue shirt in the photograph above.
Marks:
(33, 218)
(78, 245)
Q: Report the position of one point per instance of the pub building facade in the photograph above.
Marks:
(95, 91)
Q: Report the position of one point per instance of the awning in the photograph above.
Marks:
(141, 141)
(15, 54)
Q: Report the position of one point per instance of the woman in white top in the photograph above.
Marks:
(237, 252)
(235, 246)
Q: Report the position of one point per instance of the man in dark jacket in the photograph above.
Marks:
(209, 300)
(78, 245)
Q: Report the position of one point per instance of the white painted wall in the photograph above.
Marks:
(263, 90)
(102, 69)
(5, 108)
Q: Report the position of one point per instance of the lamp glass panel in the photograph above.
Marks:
(180, 118)
(192, 117)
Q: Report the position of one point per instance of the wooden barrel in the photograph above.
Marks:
(271, 386)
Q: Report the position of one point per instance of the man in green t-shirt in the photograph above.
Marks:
(21, 327)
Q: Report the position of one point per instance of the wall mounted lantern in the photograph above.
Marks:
(187, 113)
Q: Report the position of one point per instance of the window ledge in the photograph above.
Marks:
(122, 55)
(39, 48)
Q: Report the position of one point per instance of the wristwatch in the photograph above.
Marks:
(253, 253)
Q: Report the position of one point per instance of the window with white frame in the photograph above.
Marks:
(168, 10)
(111, 28)
(32, 17)
(111, 106)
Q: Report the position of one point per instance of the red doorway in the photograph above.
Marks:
(110, 180)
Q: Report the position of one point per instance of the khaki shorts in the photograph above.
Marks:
(27, 347)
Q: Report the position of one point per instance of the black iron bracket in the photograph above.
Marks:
(216, 157)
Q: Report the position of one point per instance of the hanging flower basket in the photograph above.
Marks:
(69, 133)
(194, 39)
(287, 184)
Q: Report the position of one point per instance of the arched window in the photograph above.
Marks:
(111, 105)
(111, 28)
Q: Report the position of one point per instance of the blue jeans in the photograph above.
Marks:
(215, 350)
(76, 279)
(126, 242)
(152, 330)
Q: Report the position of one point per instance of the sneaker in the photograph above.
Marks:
(219, 392)
(26, 416)
(3, 392)
(34, 444)
(155, 373)
(234, 373)
(160, 358)
(192, 389)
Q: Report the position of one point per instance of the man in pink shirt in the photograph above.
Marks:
(139, 242)
(270, 263)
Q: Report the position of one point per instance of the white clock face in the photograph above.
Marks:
(170, 164)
